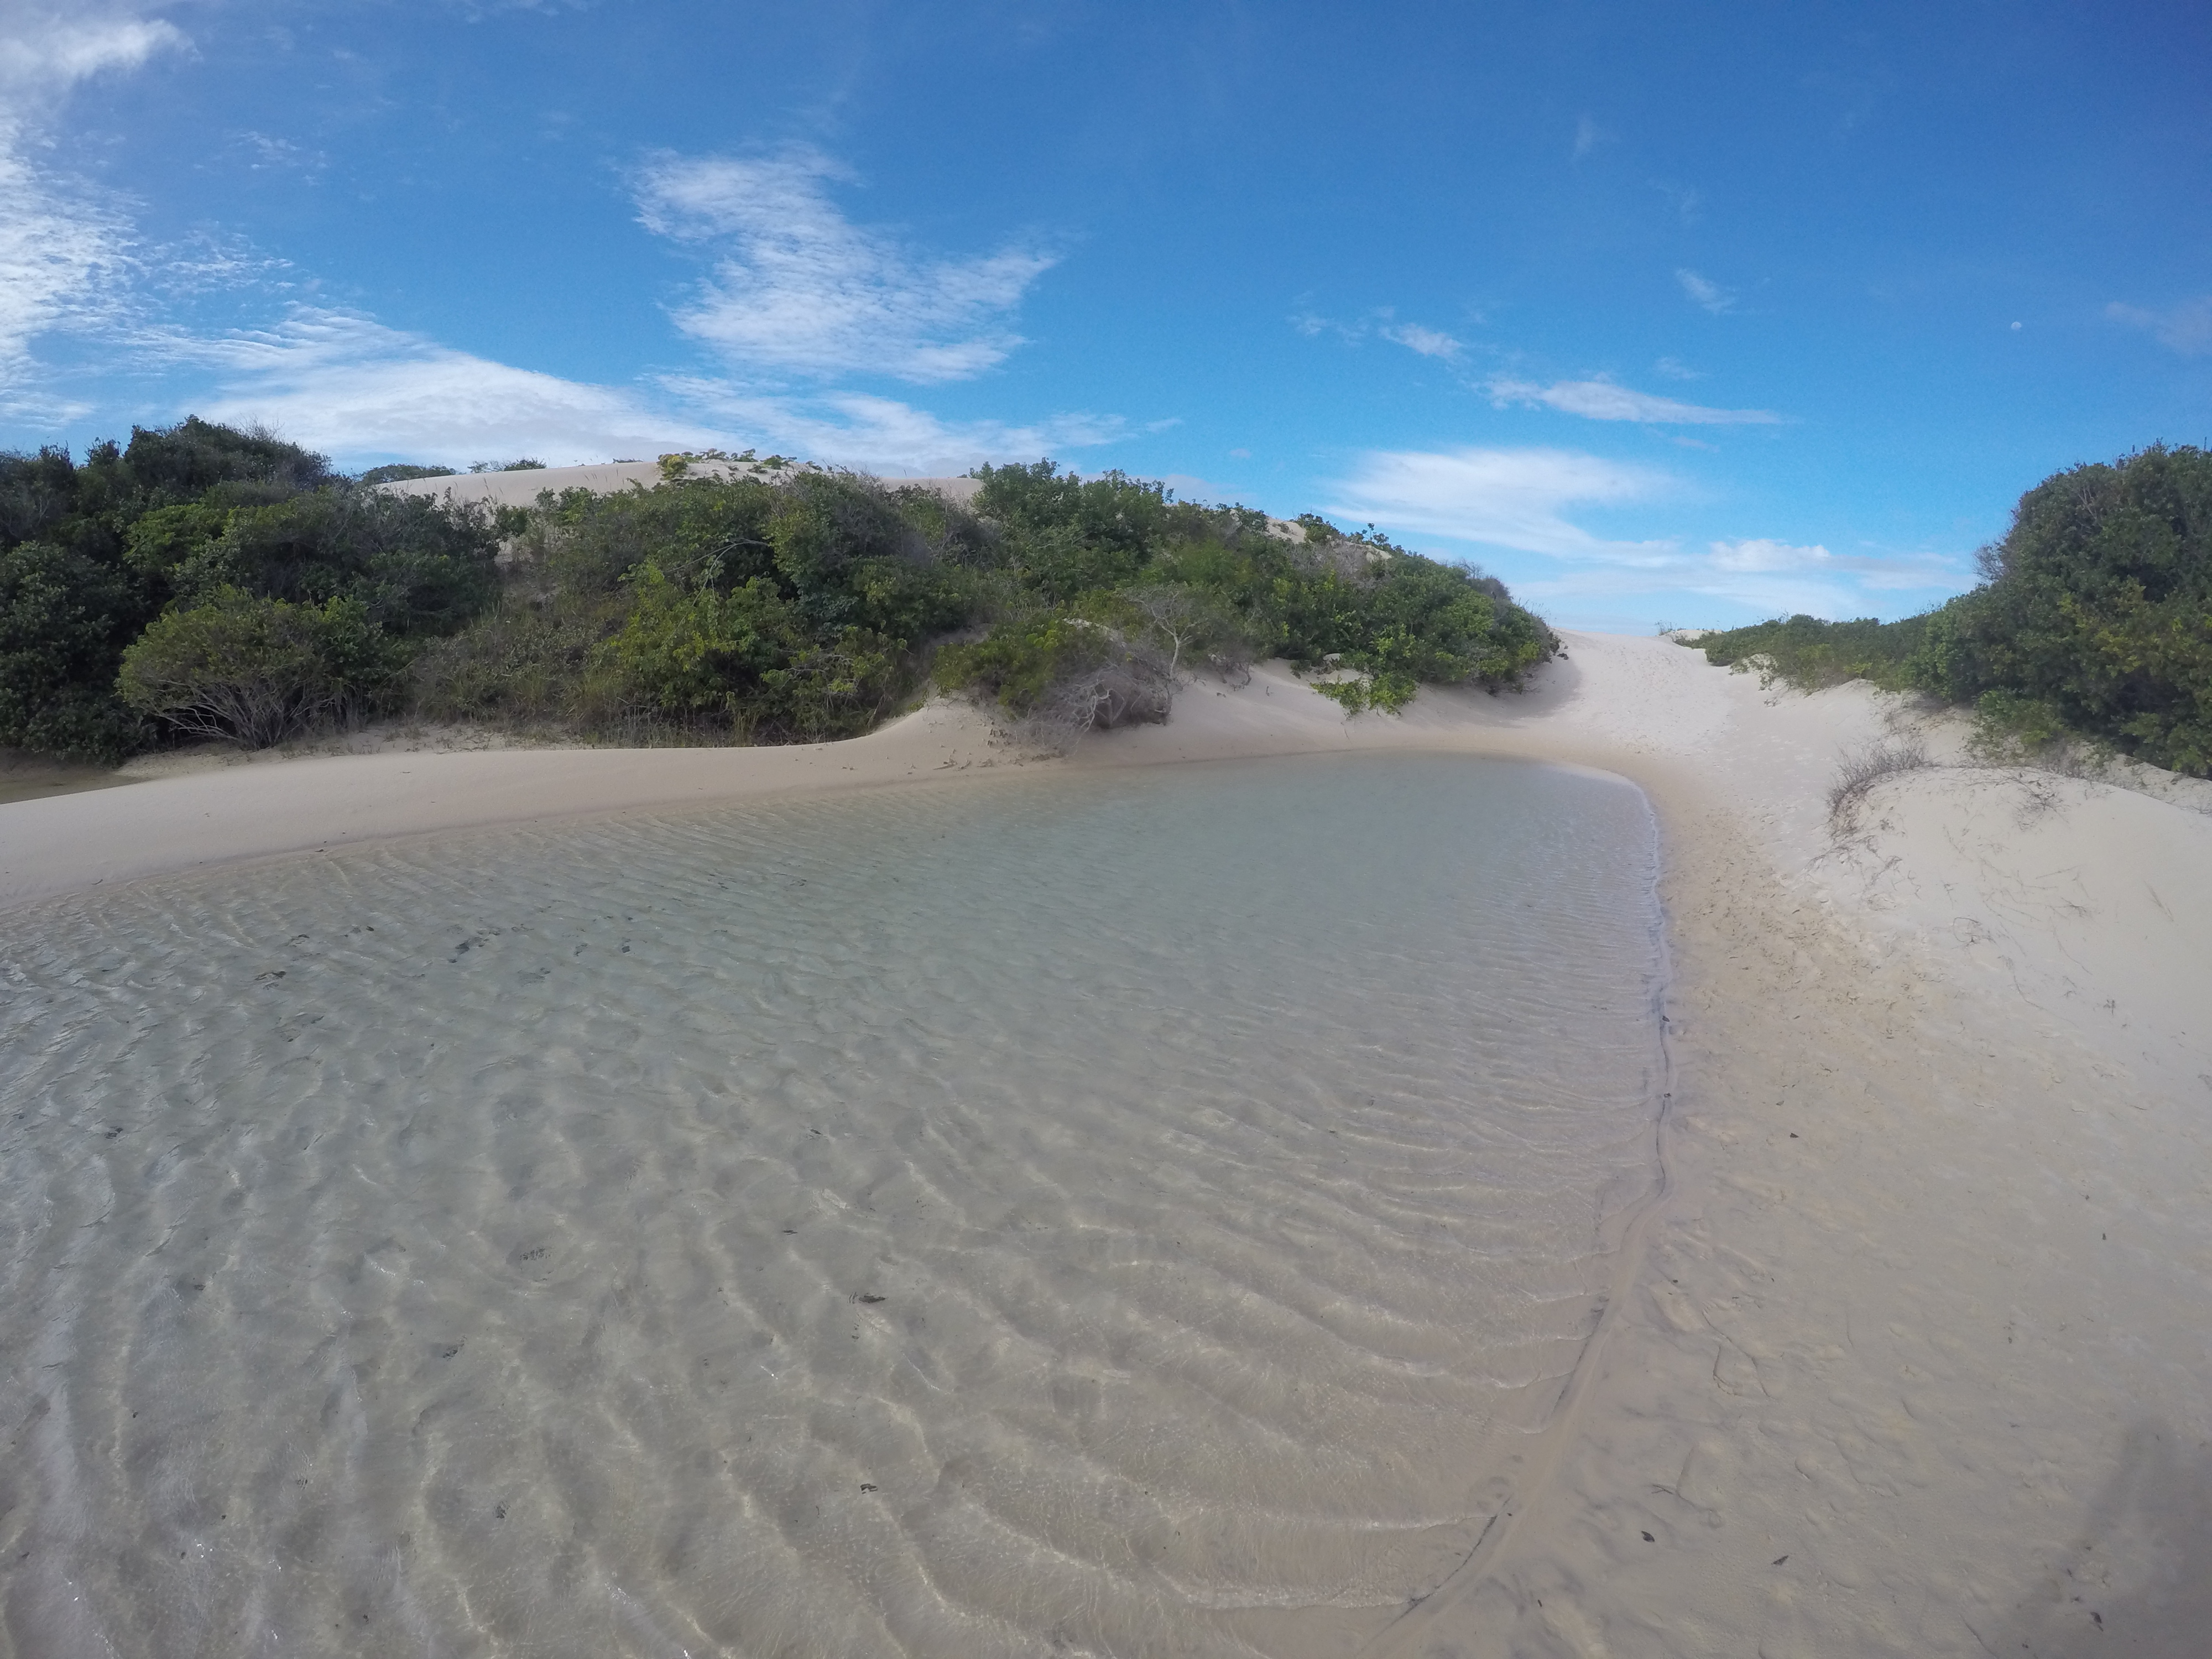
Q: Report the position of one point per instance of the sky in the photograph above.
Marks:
(1670, 315)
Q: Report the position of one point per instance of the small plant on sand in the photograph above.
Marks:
(1862, 769)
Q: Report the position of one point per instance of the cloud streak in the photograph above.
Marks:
(1707, 293)
(1428, 342)
(2186, 328)
(802, 292)
(47, 50)
(350, 386)
(1603, 400)
(1510, 498)
(1530, 500)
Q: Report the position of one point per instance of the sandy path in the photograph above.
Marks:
(1910, 1360)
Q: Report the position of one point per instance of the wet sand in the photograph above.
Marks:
(1910, 1359)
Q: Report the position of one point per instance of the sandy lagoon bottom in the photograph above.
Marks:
(1143, 1213)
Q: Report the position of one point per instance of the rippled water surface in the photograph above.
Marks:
(1126, 1215)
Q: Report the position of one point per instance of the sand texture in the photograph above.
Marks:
(1910, 1359)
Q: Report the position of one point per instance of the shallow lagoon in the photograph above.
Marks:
(1117, 1214)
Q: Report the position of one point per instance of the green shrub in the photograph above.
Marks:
(1811, 654)
(419, 566)
(399, 471)
(744, 659)
(65, 619)
(256, 671)
(2094, 618)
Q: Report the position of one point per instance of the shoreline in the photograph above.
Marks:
(1908, 1356)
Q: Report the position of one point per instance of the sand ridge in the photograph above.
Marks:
(1911, 1361)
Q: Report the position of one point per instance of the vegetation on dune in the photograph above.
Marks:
(1114, 587)
(204, 582)
(2093, 622)
(795, 604)
(195, 517)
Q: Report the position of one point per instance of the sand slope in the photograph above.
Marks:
(1910, 1359)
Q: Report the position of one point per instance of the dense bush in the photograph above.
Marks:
(750, 600)
(1143, 573)
(91, 553)
(62, 620)
(2094, 619)
(1812, 655)
(257, 670)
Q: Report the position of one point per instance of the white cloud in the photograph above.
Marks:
(1512, 498)
(45, 50)
(1429, 342)
(356, 389)
(1763, 575)
(806, 292)
(1602, 400)
(351, 386)
(1527, 501)
(1675, 369)
(62, 264)
(2186, 328)
(1709, 293)
(882, 434)
(1588, 136)
(1883, 571)
(66, 258)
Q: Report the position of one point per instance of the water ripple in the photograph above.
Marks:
(1118, 1215)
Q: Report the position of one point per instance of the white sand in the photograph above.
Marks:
(1910, 1359)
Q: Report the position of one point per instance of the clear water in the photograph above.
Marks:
(1121, 1215)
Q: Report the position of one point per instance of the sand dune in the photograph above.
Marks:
(522, 489)
(1910, 1360)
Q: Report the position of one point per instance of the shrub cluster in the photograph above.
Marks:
(1114, 587)
(207, 581)
(2093, 619)
(792, 604)
(142, 590)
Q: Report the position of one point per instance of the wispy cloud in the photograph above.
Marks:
(1530, 500)
(348, 384)
(45, 50)
(66, 254)
(1588, 137)
(882, 434)
(2186, 328)
(1511, 498)
(1674, 370)
(1707, 293)
(802, 291)
(266, 153)
(1603, 400)
(1429, 342)
(63, 264)
(1885, 572)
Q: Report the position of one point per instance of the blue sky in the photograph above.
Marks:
(1676, 315)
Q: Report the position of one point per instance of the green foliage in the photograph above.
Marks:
(1098, 548)
(747, 598)
(90, 553)
(1807, 653)
(419, 566)
(744, 659)
(257, 670)
(2094, 619)
(63, 618)
(399, 471)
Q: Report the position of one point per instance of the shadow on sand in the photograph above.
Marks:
(2138, 1577)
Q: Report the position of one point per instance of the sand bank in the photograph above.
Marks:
(1910, 1360)
(522, 489)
